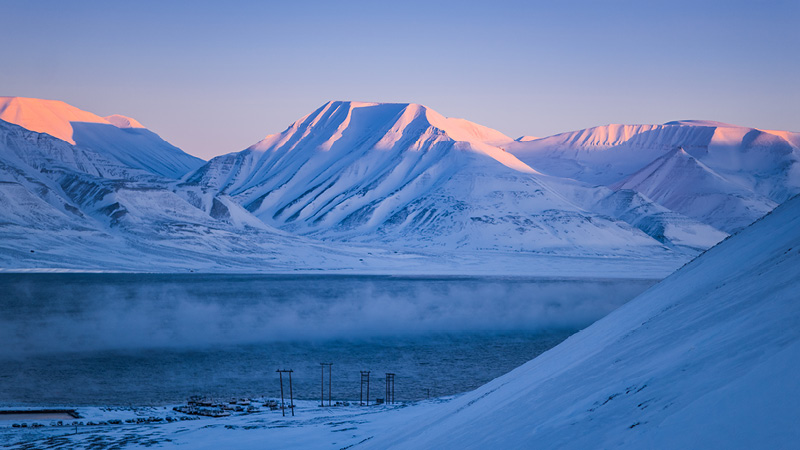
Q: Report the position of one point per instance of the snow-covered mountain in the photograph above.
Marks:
(705, 359)
(402, 174)
(606, 154)
(68, 207)
(117, 138)
(683, 184)
(396, 177)
(725, 176)
(631, 207)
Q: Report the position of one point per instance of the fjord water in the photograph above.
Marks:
(152, 339)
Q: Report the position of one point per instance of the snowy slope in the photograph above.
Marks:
(116, 137)
(64, 207)
(399, 177)
(401, 174)
(608, 154)
(765, 162)
(29, 161)
(68, 207)
(43, 152)
(629, 206)
(683, 184)
(727, 176)
(39, 221)
(705, 359)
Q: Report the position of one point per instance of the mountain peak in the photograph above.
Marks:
(398, 115)
(117, 137)
(403, 173)
(678, 152)
(53, 117)
(682, 183)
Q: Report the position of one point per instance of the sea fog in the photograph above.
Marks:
(155, 339)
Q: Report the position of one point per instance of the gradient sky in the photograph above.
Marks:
(214, 77)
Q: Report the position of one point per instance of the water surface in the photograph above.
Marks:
(148, 339)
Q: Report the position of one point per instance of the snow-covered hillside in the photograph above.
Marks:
(65, 207)
(705, 359)
(726, 176)
(116, 137)
(402, 174)
(629, 206)
(683, 184)
(396, 178)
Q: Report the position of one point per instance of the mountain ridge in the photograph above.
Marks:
(401, 176)
(124, 140)
(754, 169)
(714, 199)
(396, 172)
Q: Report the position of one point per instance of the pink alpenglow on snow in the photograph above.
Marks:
(403, 177)
(53, 117)
(116, 137)
(403, 174)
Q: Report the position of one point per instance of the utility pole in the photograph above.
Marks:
(390, 388)
(280, 376)
(364, 378)
(291, 395)
(329, 383)
(322, 384)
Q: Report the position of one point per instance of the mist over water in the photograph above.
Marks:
(153, 339)
(79, 312)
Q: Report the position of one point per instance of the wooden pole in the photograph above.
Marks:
(280, 375)
(291, 396)
(322, 384)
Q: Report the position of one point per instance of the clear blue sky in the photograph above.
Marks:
(216, 76)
